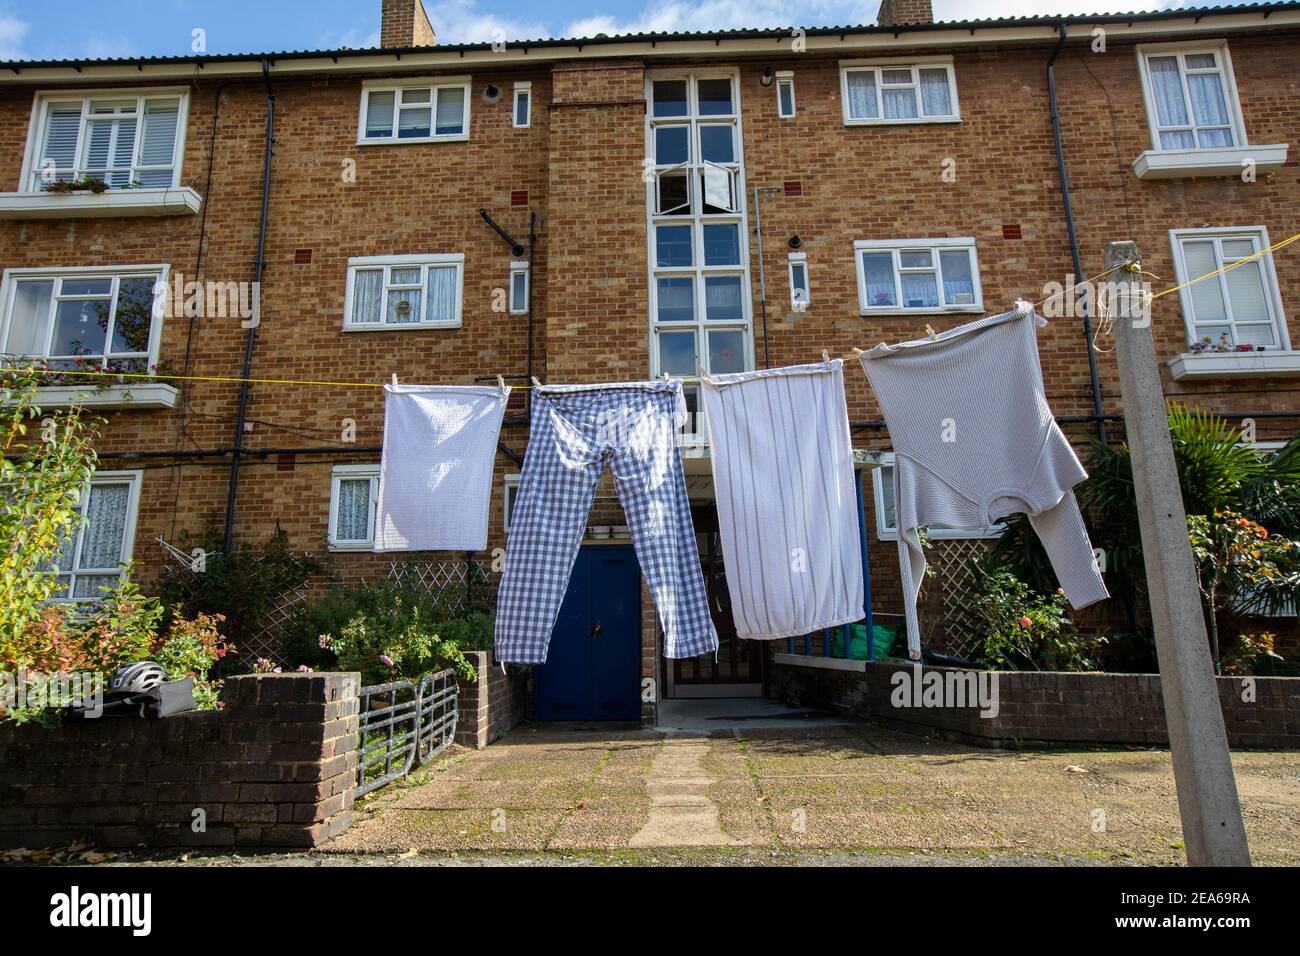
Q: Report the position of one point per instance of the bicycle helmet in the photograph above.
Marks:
(136, 678)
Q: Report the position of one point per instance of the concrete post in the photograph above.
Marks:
(1213, 833)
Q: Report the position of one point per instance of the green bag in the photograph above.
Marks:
(884, 637)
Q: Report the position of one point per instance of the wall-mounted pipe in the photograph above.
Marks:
(241, 415)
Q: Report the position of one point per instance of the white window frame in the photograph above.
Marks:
(1273, 294)
(697, 219)
(30, 180)
(523, 89)
(875, 65)
(424, 261)
(887, 532)
(518, 306)
(934, 247)
(342, 473)
(799, 261)
(134, 479)
(785, 78)
(1224, 69)
(433, 85)
(509, 495)
(158, 272)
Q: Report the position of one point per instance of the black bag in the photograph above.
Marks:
(172, 697)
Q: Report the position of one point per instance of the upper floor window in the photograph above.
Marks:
(1237, 309)
(518, 298)
(918, 275)
(882, 483)
(523, 107)
(893, 91)
(354, 499)
(83, 319)
(1191, 96)
(124, 138)
(404, 292)
(414, 111)
(94, 555)
(785, 94)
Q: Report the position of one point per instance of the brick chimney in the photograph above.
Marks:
(404, 23)
(897, 13)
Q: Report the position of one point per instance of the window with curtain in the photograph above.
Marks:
(95, 553)
(354, 497)
(882, 483)
(79, 320)
(523, 105)
(1238, 308)
(404, 292)
(126, 139)
(417, 112)
(1188, 96)
(918, 275)
(891, 92)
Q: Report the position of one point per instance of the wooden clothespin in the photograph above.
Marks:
(857, 351)
(929, 330)
(826, 357)
(394, 380)
(665, 376)
(501, 383)
(536, 384)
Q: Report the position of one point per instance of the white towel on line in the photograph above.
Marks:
(787, 506)
(435, 476)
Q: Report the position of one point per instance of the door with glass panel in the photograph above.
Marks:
(700, 301)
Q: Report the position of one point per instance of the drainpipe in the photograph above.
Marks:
(762, 278)
(1070, 231)
(241, 415)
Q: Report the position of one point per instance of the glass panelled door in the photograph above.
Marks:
(700, 301)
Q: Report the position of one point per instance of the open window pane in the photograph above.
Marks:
(723, 300)
(719, 189)
(676, 298)
(722, 244)
(673, 246)
(674, 197)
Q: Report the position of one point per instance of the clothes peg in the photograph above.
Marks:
(501, 383)
(857, 351)
(929, 330)
(1022, 307)
(826, 357)
(394, 380)
(536, 384)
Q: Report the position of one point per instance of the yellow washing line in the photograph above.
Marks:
(290, 381)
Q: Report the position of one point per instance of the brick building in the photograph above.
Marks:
(905, 173)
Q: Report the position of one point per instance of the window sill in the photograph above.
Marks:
(115, 203)
(148, 395)
(406, 327)
(1235, 364)
(910, 121)
(950, 310)
(367, 547)
(1188, 163)
(417, 141)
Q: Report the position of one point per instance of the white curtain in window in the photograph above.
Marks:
(1207, 298)
(900, 104)
(958, 286)
(878, 270)
(27, 320)
(399, 314)
(442, 293)
(1246, 293)
(1210, 108)
(367, 290)
(1171, 108)
(353, 521)
(102, 539)
(920, 290)
(862, 95)
(935, 98)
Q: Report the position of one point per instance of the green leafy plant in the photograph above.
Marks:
(84, 184)
(38, 507)
(1025, 629)
(397, 640)
(1252, 654)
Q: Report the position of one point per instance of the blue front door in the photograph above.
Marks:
(593, 664)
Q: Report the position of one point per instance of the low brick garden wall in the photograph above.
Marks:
(275, 768)
(1040, 708)
(491, 706)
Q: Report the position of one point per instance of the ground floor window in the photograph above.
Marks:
(95, 555)
(882, 481)
(354, 496)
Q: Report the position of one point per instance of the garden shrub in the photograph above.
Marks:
(1025, 629)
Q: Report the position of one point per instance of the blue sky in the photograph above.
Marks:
(81, 28)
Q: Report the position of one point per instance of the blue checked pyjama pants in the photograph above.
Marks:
(576, 431)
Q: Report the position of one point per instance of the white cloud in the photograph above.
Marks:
(460, 21)
(12, 33)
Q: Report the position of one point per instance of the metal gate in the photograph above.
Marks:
(403, 725)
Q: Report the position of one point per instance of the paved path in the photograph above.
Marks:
(842, 791)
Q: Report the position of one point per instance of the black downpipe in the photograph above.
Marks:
(1069, 228)
(258, 266)
(532, 244)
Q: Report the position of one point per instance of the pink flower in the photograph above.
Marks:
(1060, 592)
(1025, 622)
(304, 669)
(385, 660)
(325, 641)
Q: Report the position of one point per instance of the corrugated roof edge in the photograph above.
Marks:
(1196, 13)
